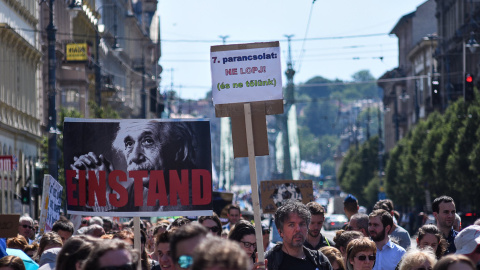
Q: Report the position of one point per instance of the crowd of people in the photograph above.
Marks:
(368, 241)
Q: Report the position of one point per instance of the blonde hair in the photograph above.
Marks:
(416, 257)
(223, 253)
(50, 238)
(333, 255)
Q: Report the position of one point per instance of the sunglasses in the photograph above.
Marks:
(128, 266)
(248, 244)
(214, 229)
(364, 257)
(27, 226)
(185, 261)
(265, 232)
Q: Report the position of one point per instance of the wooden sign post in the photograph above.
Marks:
(253, 182)
(247, 86)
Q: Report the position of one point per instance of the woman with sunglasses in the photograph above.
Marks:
(361, 254)
(429, 236)
(244, 233)
(212, 223)
(418, 259)
(112, 254)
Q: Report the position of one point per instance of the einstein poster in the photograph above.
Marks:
(138, 167)
(275, 192)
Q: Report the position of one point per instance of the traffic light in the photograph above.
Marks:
(468, 87)
(436, 98)
(25, 192)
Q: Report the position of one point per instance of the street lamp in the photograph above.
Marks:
(52, 111)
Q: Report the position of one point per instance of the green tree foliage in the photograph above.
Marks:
(440, 154)
(358, 169)
(319, 102)
(314, 89)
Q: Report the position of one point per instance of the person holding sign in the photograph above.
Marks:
(292, 219)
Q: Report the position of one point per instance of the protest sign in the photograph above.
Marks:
(250, 73)
(51, 203)
(246, 72)
(138, 167)
(9, 225)
(275, 192)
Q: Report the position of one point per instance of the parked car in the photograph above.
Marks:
(335, 222)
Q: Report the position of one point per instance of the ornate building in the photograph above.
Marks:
(20, 131)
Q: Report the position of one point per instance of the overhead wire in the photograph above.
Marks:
(302, 51)
(205, 40)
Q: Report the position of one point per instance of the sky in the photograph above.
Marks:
(333, 39)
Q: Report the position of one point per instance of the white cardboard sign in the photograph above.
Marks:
(243, 73)
(51, 203)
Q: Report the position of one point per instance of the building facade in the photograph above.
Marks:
(20, 130)
(406, 89)
(457, 54)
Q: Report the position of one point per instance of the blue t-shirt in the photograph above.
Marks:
(3, 247)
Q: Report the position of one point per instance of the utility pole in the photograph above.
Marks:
(381, 191)
(224, 39)
(98, 72)
(368, 123)
(289, 100)
(169, 97)
(144, 95)
(397, 119)
(52, 111)
(226, 148)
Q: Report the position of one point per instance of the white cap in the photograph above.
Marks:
(468, 239)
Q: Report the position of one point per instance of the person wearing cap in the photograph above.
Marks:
(467, 243)
(315, 240)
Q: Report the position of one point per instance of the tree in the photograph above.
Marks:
(359, 168)
(440, 154)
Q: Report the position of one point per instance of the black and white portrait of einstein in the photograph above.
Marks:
(138, 145)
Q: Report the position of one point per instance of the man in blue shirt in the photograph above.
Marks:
(443, 209)
(234, 215)
(389, 254)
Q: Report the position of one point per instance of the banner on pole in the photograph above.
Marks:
(51, 203)
(138, 167)
(275, 192)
